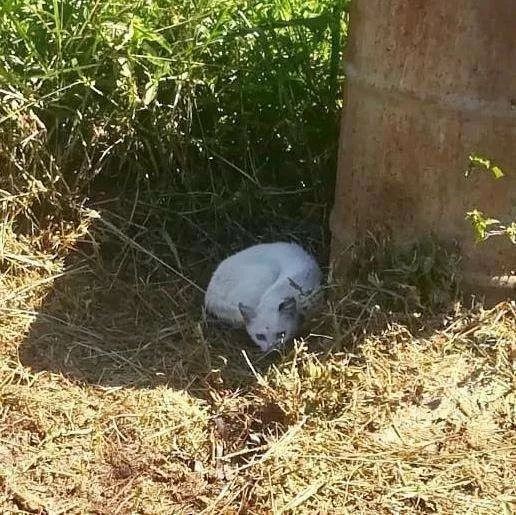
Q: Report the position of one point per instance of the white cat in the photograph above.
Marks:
(268, 289)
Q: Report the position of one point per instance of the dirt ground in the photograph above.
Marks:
(116, 397)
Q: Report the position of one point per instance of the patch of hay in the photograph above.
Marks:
(116, 398)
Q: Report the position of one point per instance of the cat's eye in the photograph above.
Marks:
(261, 337)
(281, 335)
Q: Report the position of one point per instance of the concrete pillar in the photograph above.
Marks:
(428, 83)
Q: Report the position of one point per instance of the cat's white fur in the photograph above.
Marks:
(266, 288)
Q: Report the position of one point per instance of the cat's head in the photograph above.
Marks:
(271, 326)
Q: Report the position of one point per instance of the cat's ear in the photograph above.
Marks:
(247, 312)
(288, 306)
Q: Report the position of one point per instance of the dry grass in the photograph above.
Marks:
(116, 398)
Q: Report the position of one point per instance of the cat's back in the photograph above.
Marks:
(250, 272)
(279, 256)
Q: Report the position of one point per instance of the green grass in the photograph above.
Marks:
(192, 104)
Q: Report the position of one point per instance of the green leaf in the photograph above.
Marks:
(479, 224)
(511, 232)
(497, 172)
(478, 160)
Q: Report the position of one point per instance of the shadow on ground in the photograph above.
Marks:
(114, 334)
(129, 321)
(120, 317)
